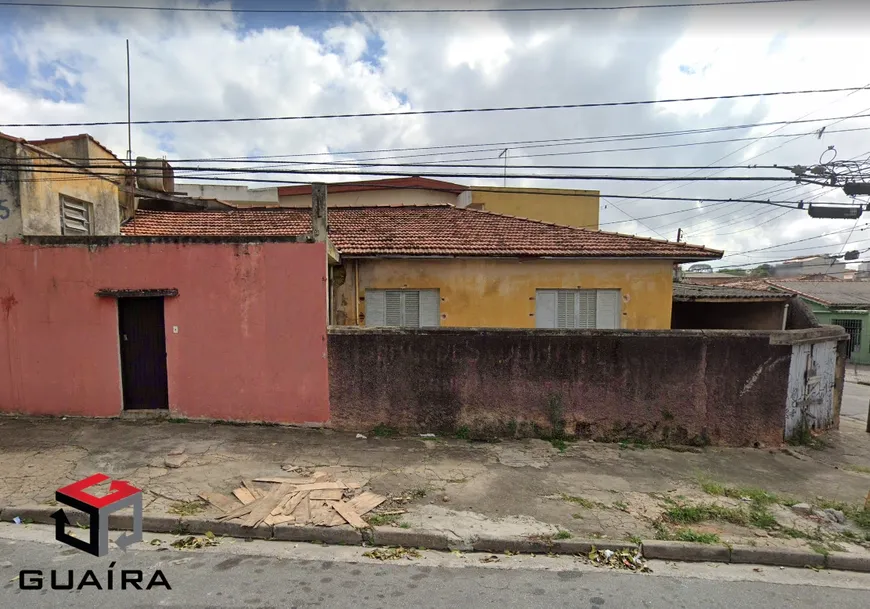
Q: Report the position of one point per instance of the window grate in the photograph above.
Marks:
(853, 329)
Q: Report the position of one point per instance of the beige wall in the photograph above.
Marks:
(500, 293)
(386, 196)
(559, 206)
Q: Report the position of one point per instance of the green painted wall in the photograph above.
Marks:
(826, 315)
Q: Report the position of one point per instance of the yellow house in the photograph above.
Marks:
(560, 206)
(440, 265)
(64, 186)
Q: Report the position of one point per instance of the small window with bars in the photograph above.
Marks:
(75, 216)
(853, 329)
(578, 309)
(403, 308)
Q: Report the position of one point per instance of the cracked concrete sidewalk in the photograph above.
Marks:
(522, 488)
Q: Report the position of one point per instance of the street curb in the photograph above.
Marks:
(408, 538)
(329, 535)
(848, 562)
(433, 540)
(776, 557)
(201, 526)
(687, 551)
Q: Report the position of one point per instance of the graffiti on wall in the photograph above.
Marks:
(4, 211)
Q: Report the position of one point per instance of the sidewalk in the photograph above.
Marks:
(858, 373)
(464, 492)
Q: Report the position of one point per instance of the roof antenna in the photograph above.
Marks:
(504, 153)
(129, 121)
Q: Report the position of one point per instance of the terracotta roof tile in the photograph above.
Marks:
(434, 230)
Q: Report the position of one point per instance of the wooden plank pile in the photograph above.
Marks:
(316, 500)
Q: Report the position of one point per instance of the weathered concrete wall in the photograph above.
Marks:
(728, 315)
(233, 194)
(38, 195)
(699, 387)
(251, 319)
(500, 293)
(10, 207)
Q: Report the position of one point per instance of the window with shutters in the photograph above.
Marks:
(403, 308)
(75, 216)
(582, 309)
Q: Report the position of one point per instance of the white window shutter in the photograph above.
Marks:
(607, 313)
(545, 309)
(375, 308)
(586, 309)
(393, 308)
(411, 309)
(430, 309)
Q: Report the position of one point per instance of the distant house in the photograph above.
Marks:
(840, 303)
(710, 278)
(824, 264)
(579, 208)
(441, 265)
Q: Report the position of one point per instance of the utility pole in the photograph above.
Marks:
(679, 235)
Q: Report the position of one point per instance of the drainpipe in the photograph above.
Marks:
(785, 317)
(356, 292)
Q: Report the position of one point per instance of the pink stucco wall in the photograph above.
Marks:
(251, 318)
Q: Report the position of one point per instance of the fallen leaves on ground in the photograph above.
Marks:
(490, 558)
(629, 560)
(392, 553)
(191, 542)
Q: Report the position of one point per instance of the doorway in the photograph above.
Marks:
(142, 337)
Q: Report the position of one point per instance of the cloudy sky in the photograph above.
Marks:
(68, 65)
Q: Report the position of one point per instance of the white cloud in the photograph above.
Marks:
(191, 65)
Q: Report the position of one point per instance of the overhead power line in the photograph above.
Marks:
(645, 102)
(405, 11)
(440, 174)
(519, 144)
(750, 143)
(108, 163)
(70, 171)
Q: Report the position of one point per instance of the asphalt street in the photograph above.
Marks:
(855, 400)
(280, 574)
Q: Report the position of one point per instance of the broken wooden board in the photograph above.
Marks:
(244, 495)
(281, 519)
(263, 507)
(280, 480)
(320, 513)
(366, 502)
(240, 511)
(257, 493)
(328, 494)
(321, 486)
(348, 513)
(290, 505)
(302, 511)
(221, 502)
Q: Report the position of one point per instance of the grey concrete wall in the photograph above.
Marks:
(685, 387)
